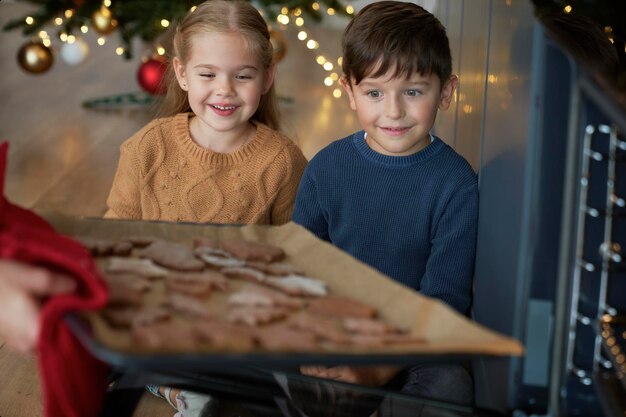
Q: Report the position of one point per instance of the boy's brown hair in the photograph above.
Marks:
(388, 35)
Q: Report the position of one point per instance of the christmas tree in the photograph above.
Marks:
(144, 19)
(593, 31)
(148, 21)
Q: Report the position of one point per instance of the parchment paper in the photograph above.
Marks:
(445, 331)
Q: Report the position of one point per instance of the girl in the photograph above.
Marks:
(215, 154)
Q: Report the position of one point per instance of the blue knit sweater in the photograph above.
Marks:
(413, 218)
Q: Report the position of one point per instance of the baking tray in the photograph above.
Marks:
(206, 361)
(448, 335)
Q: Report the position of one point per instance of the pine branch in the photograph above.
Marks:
(141, 18)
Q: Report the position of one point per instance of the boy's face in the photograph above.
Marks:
(397, 112)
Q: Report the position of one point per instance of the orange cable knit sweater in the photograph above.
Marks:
(164, 175)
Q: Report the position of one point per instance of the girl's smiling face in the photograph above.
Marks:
(224, 81)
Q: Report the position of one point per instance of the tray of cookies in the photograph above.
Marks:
(189, 294)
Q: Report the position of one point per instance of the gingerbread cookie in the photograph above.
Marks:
(256, 316)
(142, 267)
(298, 285)
(172, 255)
(253, 251)
(281, 337)
(255, 296)
(223, 335)
(217, 257)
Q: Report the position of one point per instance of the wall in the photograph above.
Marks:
(493, 125)
(467, 23)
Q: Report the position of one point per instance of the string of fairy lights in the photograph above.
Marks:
(74, 50)
(608, 30)
(294, 17)
(102, 19)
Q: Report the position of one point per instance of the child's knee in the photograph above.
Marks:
(449, 382)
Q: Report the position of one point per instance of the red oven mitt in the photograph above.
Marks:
(73, 381)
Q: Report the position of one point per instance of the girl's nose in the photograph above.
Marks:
(225, 87)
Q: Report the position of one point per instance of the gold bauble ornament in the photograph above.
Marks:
(277, 39)
(103, 21)
(35, 57)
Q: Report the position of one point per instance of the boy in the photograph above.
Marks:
(393, 195)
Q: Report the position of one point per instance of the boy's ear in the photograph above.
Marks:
(345, 83)
(447, 92)
(271, 72)
(179, 70)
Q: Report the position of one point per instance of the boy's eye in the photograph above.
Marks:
(374, 94)
(412, 93)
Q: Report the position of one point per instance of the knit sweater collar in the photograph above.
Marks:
(358, 139)
(195, 151)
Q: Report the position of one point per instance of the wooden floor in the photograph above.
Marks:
(63, 156)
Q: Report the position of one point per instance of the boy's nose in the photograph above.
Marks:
(393, 109)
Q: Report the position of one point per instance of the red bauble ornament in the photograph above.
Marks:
(151, 76)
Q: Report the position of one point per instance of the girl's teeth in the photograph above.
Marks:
(224, 107)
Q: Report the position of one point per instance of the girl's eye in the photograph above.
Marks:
(243, 77)
(412, 93)
(374, 94)
(207, 75)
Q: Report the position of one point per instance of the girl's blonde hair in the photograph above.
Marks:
(222, 16)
